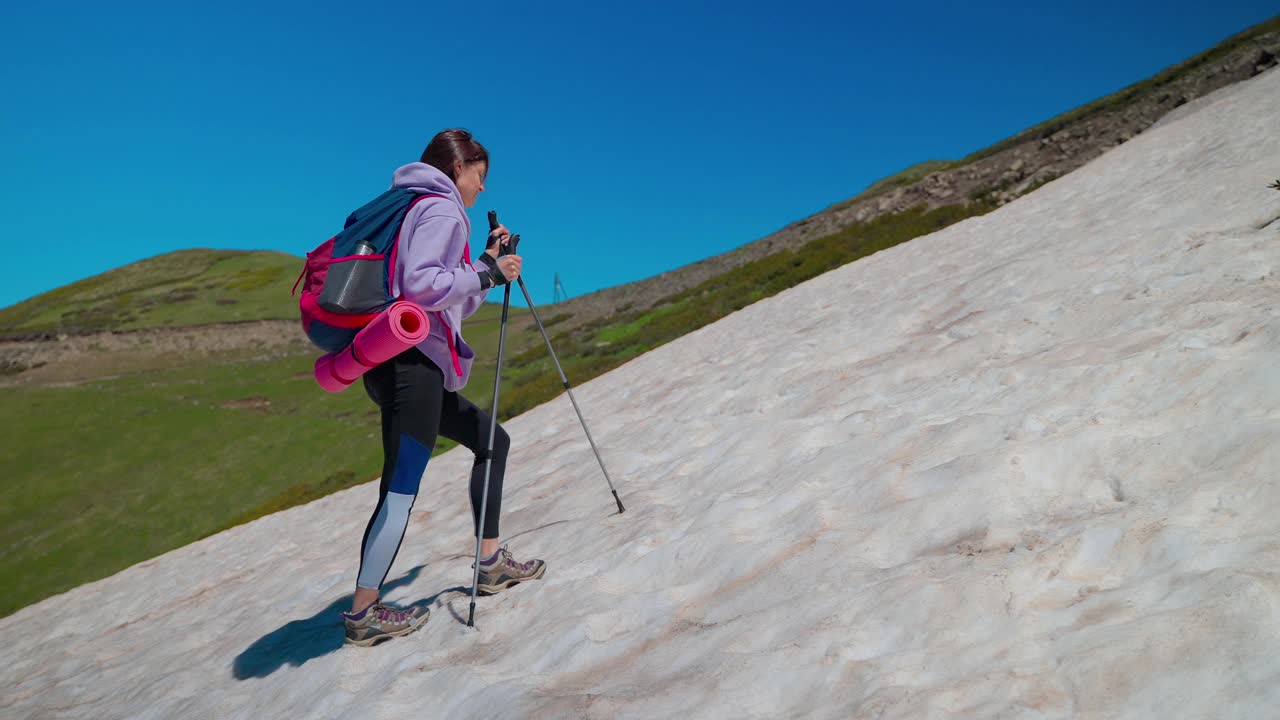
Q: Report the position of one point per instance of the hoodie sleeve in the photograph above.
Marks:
(428, 265)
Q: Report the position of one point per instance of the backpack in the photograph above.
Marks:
(346, 281)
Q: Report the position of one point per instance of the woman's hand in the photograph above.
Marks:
(510, 266)
(497, 237)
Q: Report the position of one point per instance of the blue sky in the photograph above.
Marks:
(626, 140)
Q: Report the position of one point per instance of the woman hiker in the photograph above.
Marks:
(418, 389)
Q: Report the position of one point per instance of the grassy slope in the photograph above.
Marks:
(110, 472)
(152, 462)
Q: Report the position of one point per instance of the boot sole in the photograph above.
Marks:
(493, 589)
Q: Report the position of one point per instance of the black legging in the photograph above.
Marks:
(415, 409)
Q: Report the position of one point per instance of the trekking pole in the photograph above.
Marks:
(493, 224)
(493, 430)
(569, 390)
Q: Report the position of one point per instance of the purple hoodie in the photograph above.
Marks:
(430, 268)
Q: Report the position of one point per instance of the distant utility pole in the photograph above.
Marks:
(559, 295)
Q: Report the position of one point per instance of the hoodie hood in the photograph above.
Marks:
(425, 179)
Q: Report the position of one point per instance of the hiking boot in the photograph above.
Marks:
(502, 571)
(380, 622)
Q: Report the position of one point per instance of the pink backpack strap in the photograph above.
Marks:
(395, 244)
(453, 349)
(466, 256)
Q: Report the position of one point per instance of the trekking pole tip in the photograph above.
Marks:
(619, 501)
(471, 616)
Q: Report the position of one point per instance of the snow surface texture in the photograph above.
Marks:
(1024, 467)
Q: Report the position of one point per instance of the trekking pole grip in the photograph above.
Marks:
(510, 247)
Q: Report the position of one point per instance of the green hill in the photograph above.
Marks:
(179, 289)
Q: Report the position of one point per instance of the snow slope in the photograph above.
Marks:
(1025, 467)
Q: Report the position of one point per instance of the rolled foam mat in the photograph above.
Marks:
(397, 329)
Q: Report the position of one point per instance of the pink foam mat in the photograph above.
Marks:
(397, 329)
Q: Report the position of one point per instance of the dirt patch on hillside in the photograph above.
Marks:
(257, 404)
(76, 358)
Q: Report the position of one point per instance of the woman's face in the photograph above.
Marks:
(470, 180)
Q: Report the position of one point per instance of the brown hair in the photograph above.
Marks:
(451, 146)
